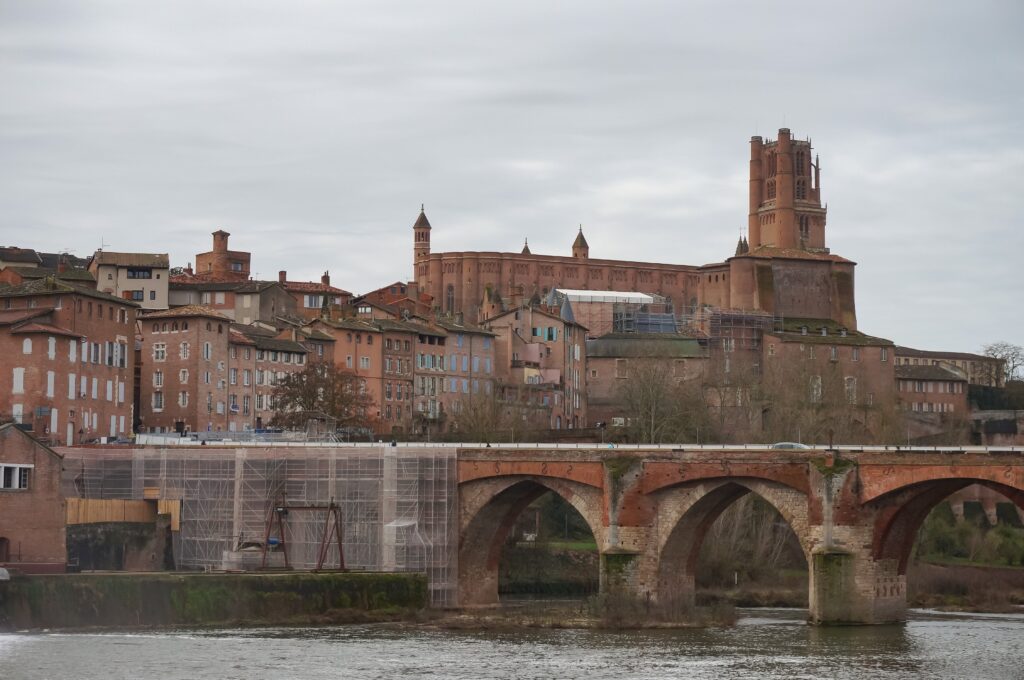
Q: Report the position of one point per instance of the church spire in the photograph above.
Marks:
(580, 249)
(526, 247)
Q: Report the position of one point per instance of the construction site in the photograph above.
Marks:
(306, 507)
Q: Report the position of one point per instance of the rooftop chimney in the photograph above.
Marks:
(282, 276)
(220, 241)
(326, 279)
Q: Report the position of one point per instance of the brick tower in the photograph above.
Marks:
(421, 246)
(785, 195)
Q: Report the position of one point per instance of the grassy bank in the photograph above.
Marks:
(125, 600)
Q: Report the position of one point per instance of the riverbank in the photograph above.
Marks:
(966, 588)
(131, 600)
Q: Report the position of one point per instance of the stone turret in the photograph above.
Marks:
(580, 249)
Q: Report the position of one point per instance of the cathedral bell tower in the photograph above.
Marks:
(785, 195)
(421, 246)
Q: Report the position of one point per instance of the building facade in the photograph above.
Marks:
(139, 277)
(32, 510)
(67, 370)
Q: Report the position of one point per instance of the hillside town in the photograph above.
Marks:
(489, 346)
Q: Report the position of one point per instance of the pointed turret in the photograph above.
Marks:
(566, 311)
(421, 243)
(580, 249)
(526, 247)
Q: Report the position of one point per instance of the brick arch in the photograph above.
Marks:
(488, 508)
(882, 480)
(900, 514)
(689, 511)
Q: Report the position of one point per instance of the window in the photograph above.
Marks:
(183, 398)
(885, 354)
(183, 350)
(138, 295)
(851, 389)
(139, 273)
(313, 301)
(833, 353)
(158, 378)
(234, 376)
(152, 295)
(158, 401)
(856, 353)
(14, 477)
(364, 362)
(159, 351)
(26, 346)
(815, 389)
(246, 377)
(207, 351)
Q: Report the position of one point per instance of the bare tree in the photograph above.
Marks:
(1012, 357)
(321, 388)
(660, 406)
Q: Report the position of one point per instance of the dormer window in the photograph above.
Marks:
(824, 331)
(842, 332)
(803, 330)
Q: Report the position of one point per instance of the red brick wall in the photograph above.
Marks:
(32, 520)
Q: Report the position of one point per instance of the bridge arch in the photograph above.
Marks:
(488, 509)
(900, 513)
(690, 510)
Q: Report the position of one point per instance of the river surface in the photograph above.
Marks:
(764, 644)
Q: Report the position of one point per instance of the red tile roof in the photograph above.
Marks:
(184, 311)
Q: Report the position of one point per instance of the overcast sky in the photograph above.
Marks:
(312, 131)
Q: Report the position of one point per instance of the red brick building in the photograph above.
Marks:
(931, 389)
(784, 269)
(185, 367)
(542, 360)
(311, 297)
(32, 536)
(67, 368)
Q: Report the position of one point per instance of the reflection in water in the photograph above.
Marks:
(765, 644)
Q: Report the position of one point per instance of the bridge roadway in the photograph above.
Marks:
(855, 511)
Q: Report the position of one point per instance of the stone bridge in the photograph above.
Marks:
(856, 513)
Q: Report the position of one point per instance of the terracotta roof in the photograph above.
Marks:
(456, 327)
(239, 338)
(186, 282)
(966, 356)
(792, 254)
(35, 327)
(185, 311)
(70, 274)
(275, 344)
(15, 254)
(15, 316)
(313, 287)
(51, 286)
(928, 373)
(156, 260)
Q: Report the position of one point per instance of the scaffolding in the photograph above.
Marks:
(398, 505)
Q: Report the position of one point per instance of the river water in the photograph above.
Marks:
(764, 644)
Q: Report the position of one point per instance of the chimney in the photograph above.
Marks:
(62, 265)
(282, 276)
(326, 279)
(220, 241)
(188, 269)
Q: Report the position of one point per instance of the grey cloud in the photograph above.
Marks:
(312, 131)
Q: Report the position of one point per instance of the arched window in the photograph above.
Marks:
(801, 188)
(26, 346)
(156, 328)
(771, 189)
(208, 326)
(164, 328)
(174, 326)
(184, 325)
(449, 300)
(805, 227)
(799, 164)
